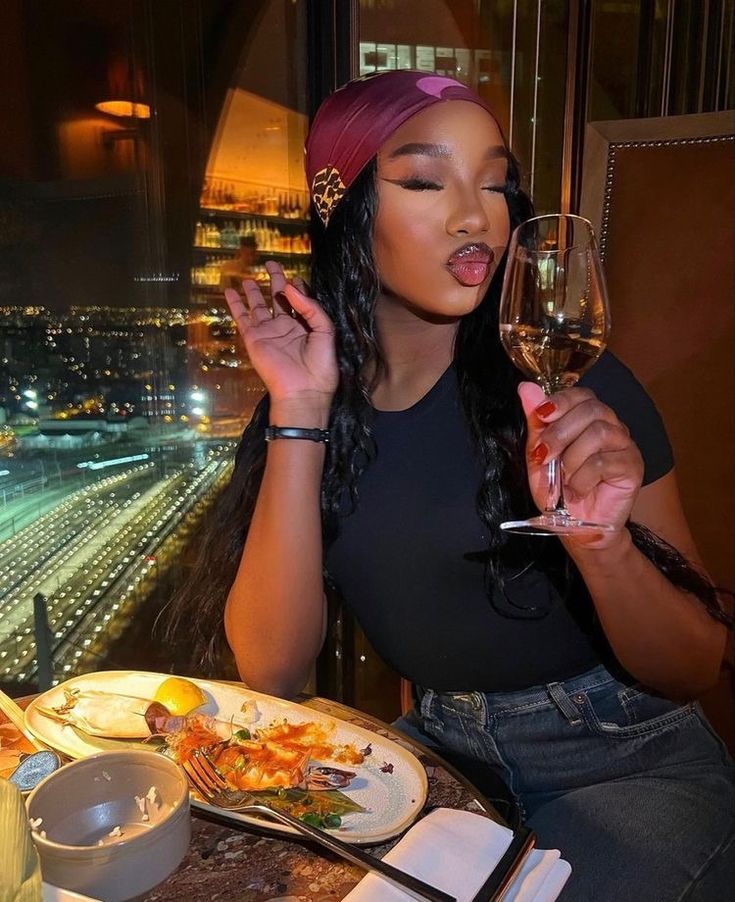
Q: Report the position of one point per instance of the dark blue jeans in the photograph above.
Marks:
(636, 791)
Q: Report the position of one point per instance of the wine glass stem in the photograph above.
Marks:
(555, 503)
(555, 491)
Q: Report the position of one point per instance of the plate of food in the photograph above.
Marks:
(332, 774)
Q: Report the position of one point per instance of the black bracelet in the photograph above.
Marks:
(313, 435)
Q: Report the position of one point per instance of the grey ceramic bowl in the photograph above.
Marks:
(97, 838)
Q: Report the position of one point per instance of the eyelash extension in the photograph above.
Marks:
(499, 189)
(423, 185)
(420, 185)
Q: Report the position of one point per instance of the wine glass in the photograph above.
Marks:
(554, 323)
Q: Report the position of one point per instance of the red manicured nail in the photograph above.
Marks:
(546, 409)
(539, 453)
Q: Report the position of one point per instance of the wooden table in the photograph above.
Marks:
(249, 865)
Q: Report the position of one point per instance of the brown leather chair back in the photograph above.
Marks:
(661, 195)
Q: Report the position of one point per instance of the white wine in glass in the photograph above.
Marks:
(554, 324)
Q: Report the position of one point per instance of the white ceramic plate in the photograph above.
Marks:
(391, 800)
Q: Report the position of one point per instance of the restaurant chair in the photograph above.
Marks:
(660, 193)
(406, 696)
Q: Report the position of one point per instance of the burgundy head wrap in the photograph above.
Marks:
(352, 124)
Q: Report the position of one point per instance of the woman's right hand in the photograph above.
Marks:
(294, 355)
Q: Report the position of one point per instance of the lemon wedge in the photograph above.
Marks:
(179, 696)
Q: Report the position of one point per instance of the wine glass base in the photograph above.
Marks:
(556, 524)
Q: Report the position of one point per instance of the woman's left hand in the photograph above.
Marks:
(602, 468)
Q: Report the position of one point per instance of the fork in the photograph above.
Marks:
(211, 785)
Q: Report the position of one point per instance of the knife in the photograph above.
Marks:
(501, 877)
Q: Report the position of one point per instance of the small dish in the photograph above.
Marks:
(34, 768)
(111, 826)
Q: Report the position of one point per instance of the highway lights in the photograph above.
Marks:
(55, 539)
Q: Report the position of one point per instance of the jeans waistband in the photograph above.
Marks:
(553, 693)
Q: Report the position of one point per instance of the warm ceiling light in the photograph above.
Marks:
(125, 108)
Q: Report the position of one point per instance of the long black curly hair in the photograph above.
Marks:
(345, 282)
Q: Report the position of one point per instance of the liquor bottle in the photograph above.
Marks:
(229, 237)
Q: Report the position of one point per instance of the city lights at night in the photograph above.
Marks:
(94, 555)
(114, 440)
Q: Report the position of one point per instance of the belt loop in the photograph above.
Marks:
(417, 694)
(564, 703)
(426, 697)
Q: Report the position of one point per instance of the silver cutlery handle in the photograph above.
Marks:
(412, 885)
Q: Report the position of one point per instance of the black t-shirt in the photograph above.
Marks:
(409, 560)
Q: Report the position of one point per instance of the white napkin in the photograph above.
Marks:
(455, 851)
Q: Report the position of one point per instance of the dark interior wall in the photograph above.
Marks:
(451, 23)
(272, 60)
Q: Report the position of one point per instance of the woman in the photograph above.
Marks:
(527, 655)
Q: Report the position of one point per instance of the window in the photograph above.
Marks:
(144, 143)
(513, 55)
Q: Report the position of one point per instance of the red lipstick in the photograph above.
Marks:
(470, 264)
